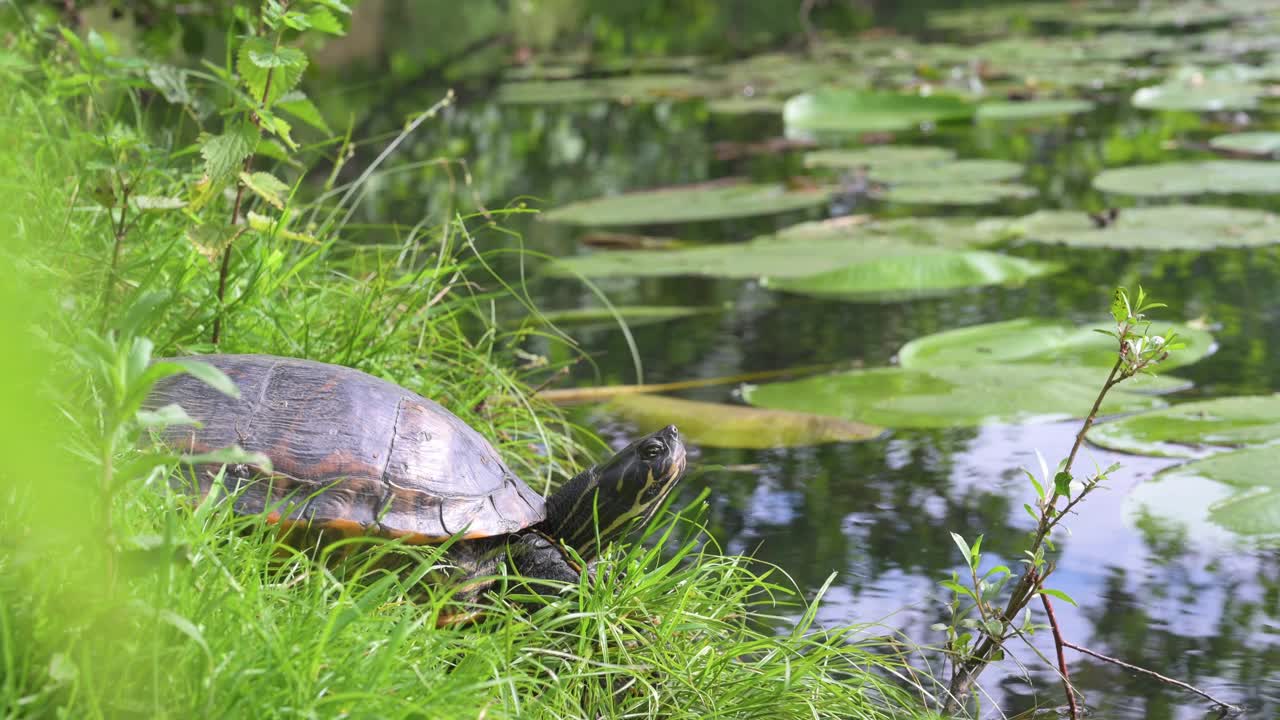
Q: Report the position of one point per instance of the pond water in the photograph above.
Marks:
(879, 513)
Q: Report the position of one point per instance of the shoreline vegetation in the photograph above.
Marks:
(138, 228)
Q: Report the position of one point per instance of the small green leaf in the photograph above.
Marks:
(233, 455)
(300, 106)
(964, 547)
(166, 416)
(957, 588)
(223, 154)
(259, 60)
(1058, 594)
(323, 20)
(1062, 484)
(1120, 306)
(1000, 569)
(1031, 512)
(1035, 483)
(208, 374)
(266, 186)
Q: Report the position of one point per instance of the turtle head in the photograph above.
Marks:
(621, 492)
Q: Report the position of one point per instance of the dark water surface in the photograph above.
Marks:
(879, 513)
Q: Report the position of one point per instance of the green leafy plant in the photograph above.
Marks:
(990, 607)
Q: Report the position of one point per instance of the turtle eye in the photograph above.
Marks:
(652, 449)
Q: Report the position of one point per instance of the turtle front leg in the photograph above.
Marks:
(535, 557)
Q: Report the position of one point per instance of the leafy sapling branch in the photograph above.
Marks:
(982, 618)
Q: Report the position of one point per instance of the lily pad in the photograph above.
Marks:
(737, 426)
(979, 193)
(692, 203)
(1192, 178)
(1032, 340)
(922, 272)
(1186, 430)
(632, 315)
(1203, 97)
(1236, 491)
(955, 172)
(879, 260)
(1162, 227)
(801, 250)
(1252, 143)
(956, 396)
(869, 111)
(879, 157)
(1031, 109)
(629, 88)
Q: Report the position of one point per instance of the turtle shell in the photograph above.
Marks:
(348, 451)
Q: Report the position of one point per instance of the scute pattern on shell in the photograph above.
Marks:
(348, 449)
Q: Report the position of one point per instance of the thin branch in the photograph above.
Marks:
(1154, 674)
(1062, 660)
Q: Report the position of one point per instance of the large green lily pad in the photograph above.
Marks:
(1186, 430)
(879, 157)
(629, 88)
(1238, 492)
(1203, 97)
(957, 396)
(899, 273)
(1253, 143)
(692, 203)
(977, 193)
(1162, 227)
(798, 251)
(880, 260)
(835, 110)
(950, 173)
(1033, 340)
(1031, 109)
(737, 426)
(631, 315)
(1192, 178)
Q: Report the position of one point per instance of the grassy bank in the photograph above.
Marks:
(119, 598)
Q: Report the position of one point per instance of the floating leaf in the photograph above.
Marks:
(1236, 491)
(1185, 430)
(869, 111)
(1253, 143)
(1161, 227)
(1032, 340)
(956, 396)
(1192, 178)
(708, 201)
(1031, 109)
(1203, 97)
(800, 250)
(880, 156)
(737, 426)
(977, 193)
(629, 88)
(631, 315)
(958, 172)
(920, 272)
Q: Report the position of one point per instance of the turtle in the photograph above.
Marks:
(354, 454)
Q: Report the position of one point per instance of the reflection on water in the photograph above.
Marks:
(879, 513)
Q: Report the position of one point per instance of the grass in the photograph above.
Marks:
(120, 598)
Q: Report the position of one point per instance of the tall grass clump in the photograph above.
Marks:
(153, 210)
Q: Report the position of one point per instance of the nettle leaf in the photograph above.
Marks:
(171, 82)
(323, 20)
(260, 61)
(300, 106)
(223, 154)
(211, 239)
(266, 186)
(272, 226)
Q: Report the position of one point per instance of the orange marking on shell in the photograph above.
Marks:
(274, 519)
(347, 527)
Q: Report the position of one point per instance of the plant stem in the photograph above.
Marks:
(235, 213)
(1058, 643)
(1154, 674)
(119, 232)
(966, 672)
